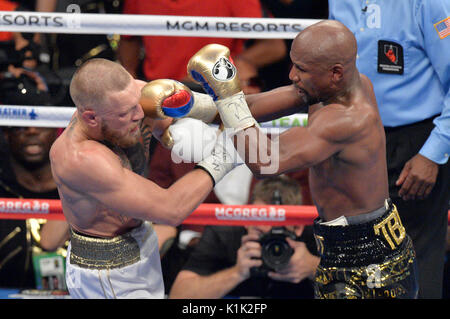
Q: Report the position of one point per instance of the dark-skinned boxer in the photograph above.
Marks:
(365, 252)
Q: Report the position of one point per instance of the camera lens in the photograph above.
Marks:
(276, 250)
(276, 253)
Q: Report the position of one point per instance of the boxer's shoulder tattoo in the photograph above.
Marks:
(119, 152)
(138, 154)
(137, 158)
(72, 124)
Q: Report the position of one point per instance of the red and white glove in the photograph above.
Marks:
(169, 98)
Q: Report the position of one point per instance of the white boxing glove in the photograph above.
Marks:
(193, 140)
(222, 159)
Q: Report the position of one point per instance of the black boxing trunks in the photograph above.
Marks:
(370, 257)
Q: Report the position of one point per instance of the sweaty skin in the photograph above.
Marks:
(85, 215)
(344, 142)
(99, 162)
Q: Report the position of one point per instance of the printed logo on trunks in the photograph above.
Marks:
(319, 244)
(390, 57)
(223, 70)
(391, 228)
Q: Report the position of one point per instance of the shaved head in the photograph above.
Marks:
(324, 61)
(93, 80)
(326, 43)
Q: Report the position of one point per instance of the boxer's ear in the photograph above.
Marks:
(337, 73)
(90, 118)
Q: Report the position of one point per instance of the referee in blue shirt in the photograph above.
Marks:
(403, 47)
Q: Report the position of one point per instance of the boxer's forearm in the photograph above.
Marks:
(185, 195)
(275, 103)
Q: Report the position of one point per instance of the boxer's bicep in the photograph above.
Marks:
(302, 148)
(275, 103)
(101, 177)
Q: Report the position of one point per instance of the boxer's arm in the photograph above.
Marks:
(295, 149)
(299, 147)
(99, 174)
(275, 103)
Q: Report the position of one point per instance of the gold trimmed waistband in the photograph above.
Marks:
(103, 253)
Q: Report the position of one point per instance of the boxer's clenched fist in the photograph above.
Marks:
(214, 70)
(166, 98)
(222, 159)
(192, 140)
(169, 98)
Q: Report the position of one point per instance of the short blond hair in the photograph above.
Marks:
(94, 79)
(288, 188)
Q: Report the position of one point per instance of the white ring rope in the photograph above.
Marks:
(59, 117)
(130, 24)
(79, 23)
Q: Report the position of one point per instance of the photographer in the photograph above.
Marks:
(227, 261)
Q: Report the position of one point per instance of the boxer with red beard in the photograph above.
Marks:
(99, 165)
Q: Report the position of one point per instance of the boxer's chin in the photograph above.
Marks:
(304, 96)
(307, 98)
(117, 138)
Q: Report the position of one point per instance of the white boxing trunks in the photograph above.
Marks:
(126, 266)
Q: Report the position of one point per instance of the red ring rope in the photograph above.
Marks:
(205, 214)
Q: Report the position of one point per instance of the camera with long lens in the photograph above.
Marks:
(275, 250)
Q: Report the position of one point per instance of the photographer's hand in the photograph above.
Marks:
(248, 255)
(302, 264)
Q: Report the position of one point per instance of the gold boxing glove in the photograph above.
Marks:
(169, 98)
(166, 98)
(214, 70)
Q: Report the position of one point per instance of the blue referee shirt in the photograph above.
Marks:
(404, 48)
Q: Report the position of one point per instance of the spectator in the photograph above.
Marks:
(56, 55)
(406, 62)
(223, 261)
(25, 174)
(167, 57)
(19, 50)
(68, 51)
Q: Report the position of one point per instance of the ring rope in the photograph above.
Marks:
(59, 117)
(205, 214)
(124, 24)
(140, 24)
